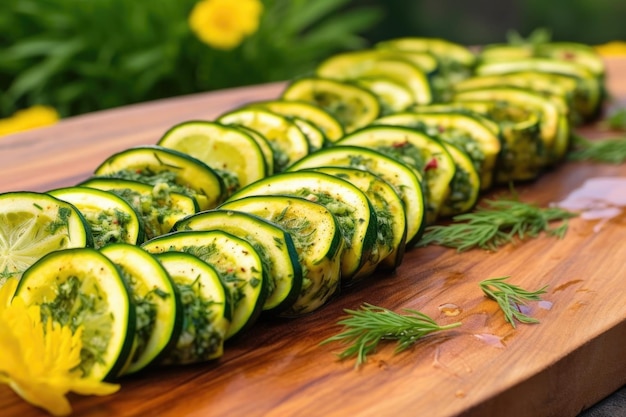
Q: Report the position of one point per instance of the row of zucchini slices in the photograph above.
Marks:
(274, 206)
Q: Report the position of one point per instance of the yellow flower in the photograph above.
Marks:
(39, 361)
(223, 24)
(36, 116)
(614, 48)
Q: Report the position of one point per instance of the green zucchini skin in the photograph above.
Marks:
(317, 238)
(460, 128)
(147, 162)
(89, 274)
(158, 218)
(92, 203)
(390, 215)
(237, 262)
(352, 208)
(424, 153)
(157, 301)
(275, 246)
(405, 180)
(204, 301)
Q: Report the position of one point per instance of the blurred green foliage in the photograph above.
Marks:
(80, 56)
(488, 21)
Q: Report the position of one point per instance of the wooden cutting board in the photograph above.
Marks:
(569, 361)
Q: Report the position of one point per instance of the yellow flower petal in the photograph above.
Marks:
(36, 116)
(39, 361)
(614, 48)
(223, 24)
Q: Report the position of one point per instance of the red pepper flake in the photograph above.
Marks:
(432, 164)
(138, 171)
(399, 144)
(441, 129)
(243, 269)
(569, 55)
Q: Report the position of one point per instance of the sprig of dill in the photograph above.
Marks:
(611, 150)
(510, 297)
(495, 223)
(365, 328)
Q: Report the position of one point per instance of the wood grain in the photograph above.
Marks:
(559, 367)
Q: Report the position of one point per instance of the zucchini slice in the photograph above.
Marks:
(82, 288)
(317, 238)
(152, 164)
(287, 141)
(554, 126)
(158, 308)
(266, 148)
(405, 180)
(313, 134)
(352, 105)
(465, 185)
(460, 128)
(589, 88)
(412, 147)
(350, 206)
(273, 244)
(157, 206)
(111, 218)
(447, 52)
(390, 216)
(239, 266)
(234, 155)
(204, 302)
(393, 96)
(34, 224)
(327, 123)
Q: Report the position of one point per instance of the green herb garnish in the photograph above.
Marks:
(612, 150)
(364, 329)
(496, 223)
(510, 297)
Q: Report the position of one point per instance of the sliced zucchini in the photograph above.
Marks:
(314, 134)
(460, 128)
(544, 83)
(158, 309)
(287, 141)
(34, 224)
(312, 113)
(352, 105)
(522, 146)
(157, 206)
(352, 64)
(379, 63)
(589, 88)
(233, 154)
(266, 148)
(579, 53)
(465, 186)
(393, 96)
(351, 207)
(554, 125)
(390, 216)
(447, 52)
(81, 288)
(204, 303)
(239, 266)
(111, 218)
(154, 165)
(317, 238)
(415, 148)
(405, 180)
(273, 244)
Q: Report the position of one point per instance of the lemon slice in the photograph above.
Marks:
(33, 225)
(226, 149)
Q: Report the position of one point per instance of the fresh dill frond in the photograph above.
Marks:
(365, 328)
(510, 297)
(610, 150)
(496, 223)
